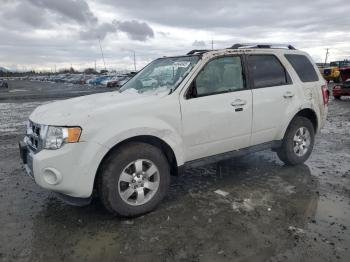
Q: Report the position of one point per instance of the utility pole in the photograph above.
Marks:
(212, 44)
(134, 61)
(103, 58)
(325, 61)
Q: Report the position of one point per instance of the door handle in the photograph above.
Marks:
(239, 102)
(288, 94)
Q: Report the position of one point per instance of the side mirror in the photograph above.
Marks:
(192, 90)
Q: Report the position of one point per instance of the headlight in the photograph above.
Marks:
(54, 137)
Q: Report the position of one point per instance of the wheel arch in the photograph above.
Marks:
(308, 113)
(148, 139)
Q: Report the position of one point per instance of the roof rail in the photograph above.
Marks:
(199, 51)
(275, 46)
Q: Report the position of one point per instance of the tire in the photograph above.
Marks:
(286, 152)
(113, 189)
(337, 97)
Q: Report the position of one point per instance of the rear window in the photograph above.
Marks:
(303, 67)
(266, 71)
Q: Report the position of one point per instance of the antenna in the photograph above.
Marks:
(103, 58)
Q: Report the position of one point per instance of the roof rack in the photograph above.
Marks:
(199, 51)
(274, 46)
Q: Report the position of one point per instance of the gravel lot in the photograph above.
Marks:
(272, 212)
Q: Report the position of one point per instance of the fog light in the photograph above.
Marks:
(52, 176)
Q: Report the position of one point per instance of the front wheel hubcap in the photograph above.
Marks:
(138, 182)
(301, 141)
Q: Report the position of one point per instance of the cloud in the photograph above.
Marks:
(197, 43)
(50, 14)
(41, 32)
(135, 30)
(239, 16)
(140, 31)
(76, 10)
(98, 31)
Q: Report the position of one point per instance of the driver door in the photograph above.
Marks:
(217, 110)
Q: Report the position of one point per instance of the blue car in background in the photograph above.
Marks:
(98, 80)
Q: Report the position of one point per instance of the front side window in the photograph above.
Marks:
(220, 75)
(303, 67)
(267, 71)
(161, 75)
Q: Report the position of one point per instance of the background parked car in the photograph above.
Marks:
(105, 81)
(98, 80)
(342, 89)
(118, 81)
(3, 84)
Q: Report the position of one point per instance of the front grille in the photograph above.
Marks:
(327, 72)
(33, 136)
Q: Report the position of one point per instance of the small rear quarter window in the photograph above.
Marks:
(303, 67)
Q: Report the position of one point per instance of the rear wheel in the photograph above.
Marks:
(134, 179)
(298, 142)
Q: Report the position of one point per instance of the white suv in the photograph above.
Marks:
(209, 105)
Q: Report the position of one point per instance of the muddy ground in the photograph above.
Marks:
(272, 212)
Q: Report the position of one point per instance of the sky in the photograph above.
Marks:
(56, 34)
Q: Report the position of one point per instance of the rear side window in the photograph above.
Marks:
(266, 71)
(303, 67)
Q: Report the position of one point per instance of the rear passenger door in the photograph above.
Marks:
(273, 96)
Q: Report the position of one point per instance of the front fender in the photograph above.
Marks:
(113, 135)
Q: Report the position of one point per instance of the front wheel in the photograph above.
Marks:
(298, 142)
(134, 179)
(337, 97)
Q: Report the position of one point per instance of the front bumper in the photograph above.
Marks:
(69, 170)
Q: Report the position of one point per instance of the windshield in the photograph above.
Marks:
(162, 75)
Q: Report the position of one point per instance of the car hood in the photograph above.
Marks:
(77, 111)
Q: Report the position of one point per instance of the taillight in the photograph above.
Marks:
(325, 94)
